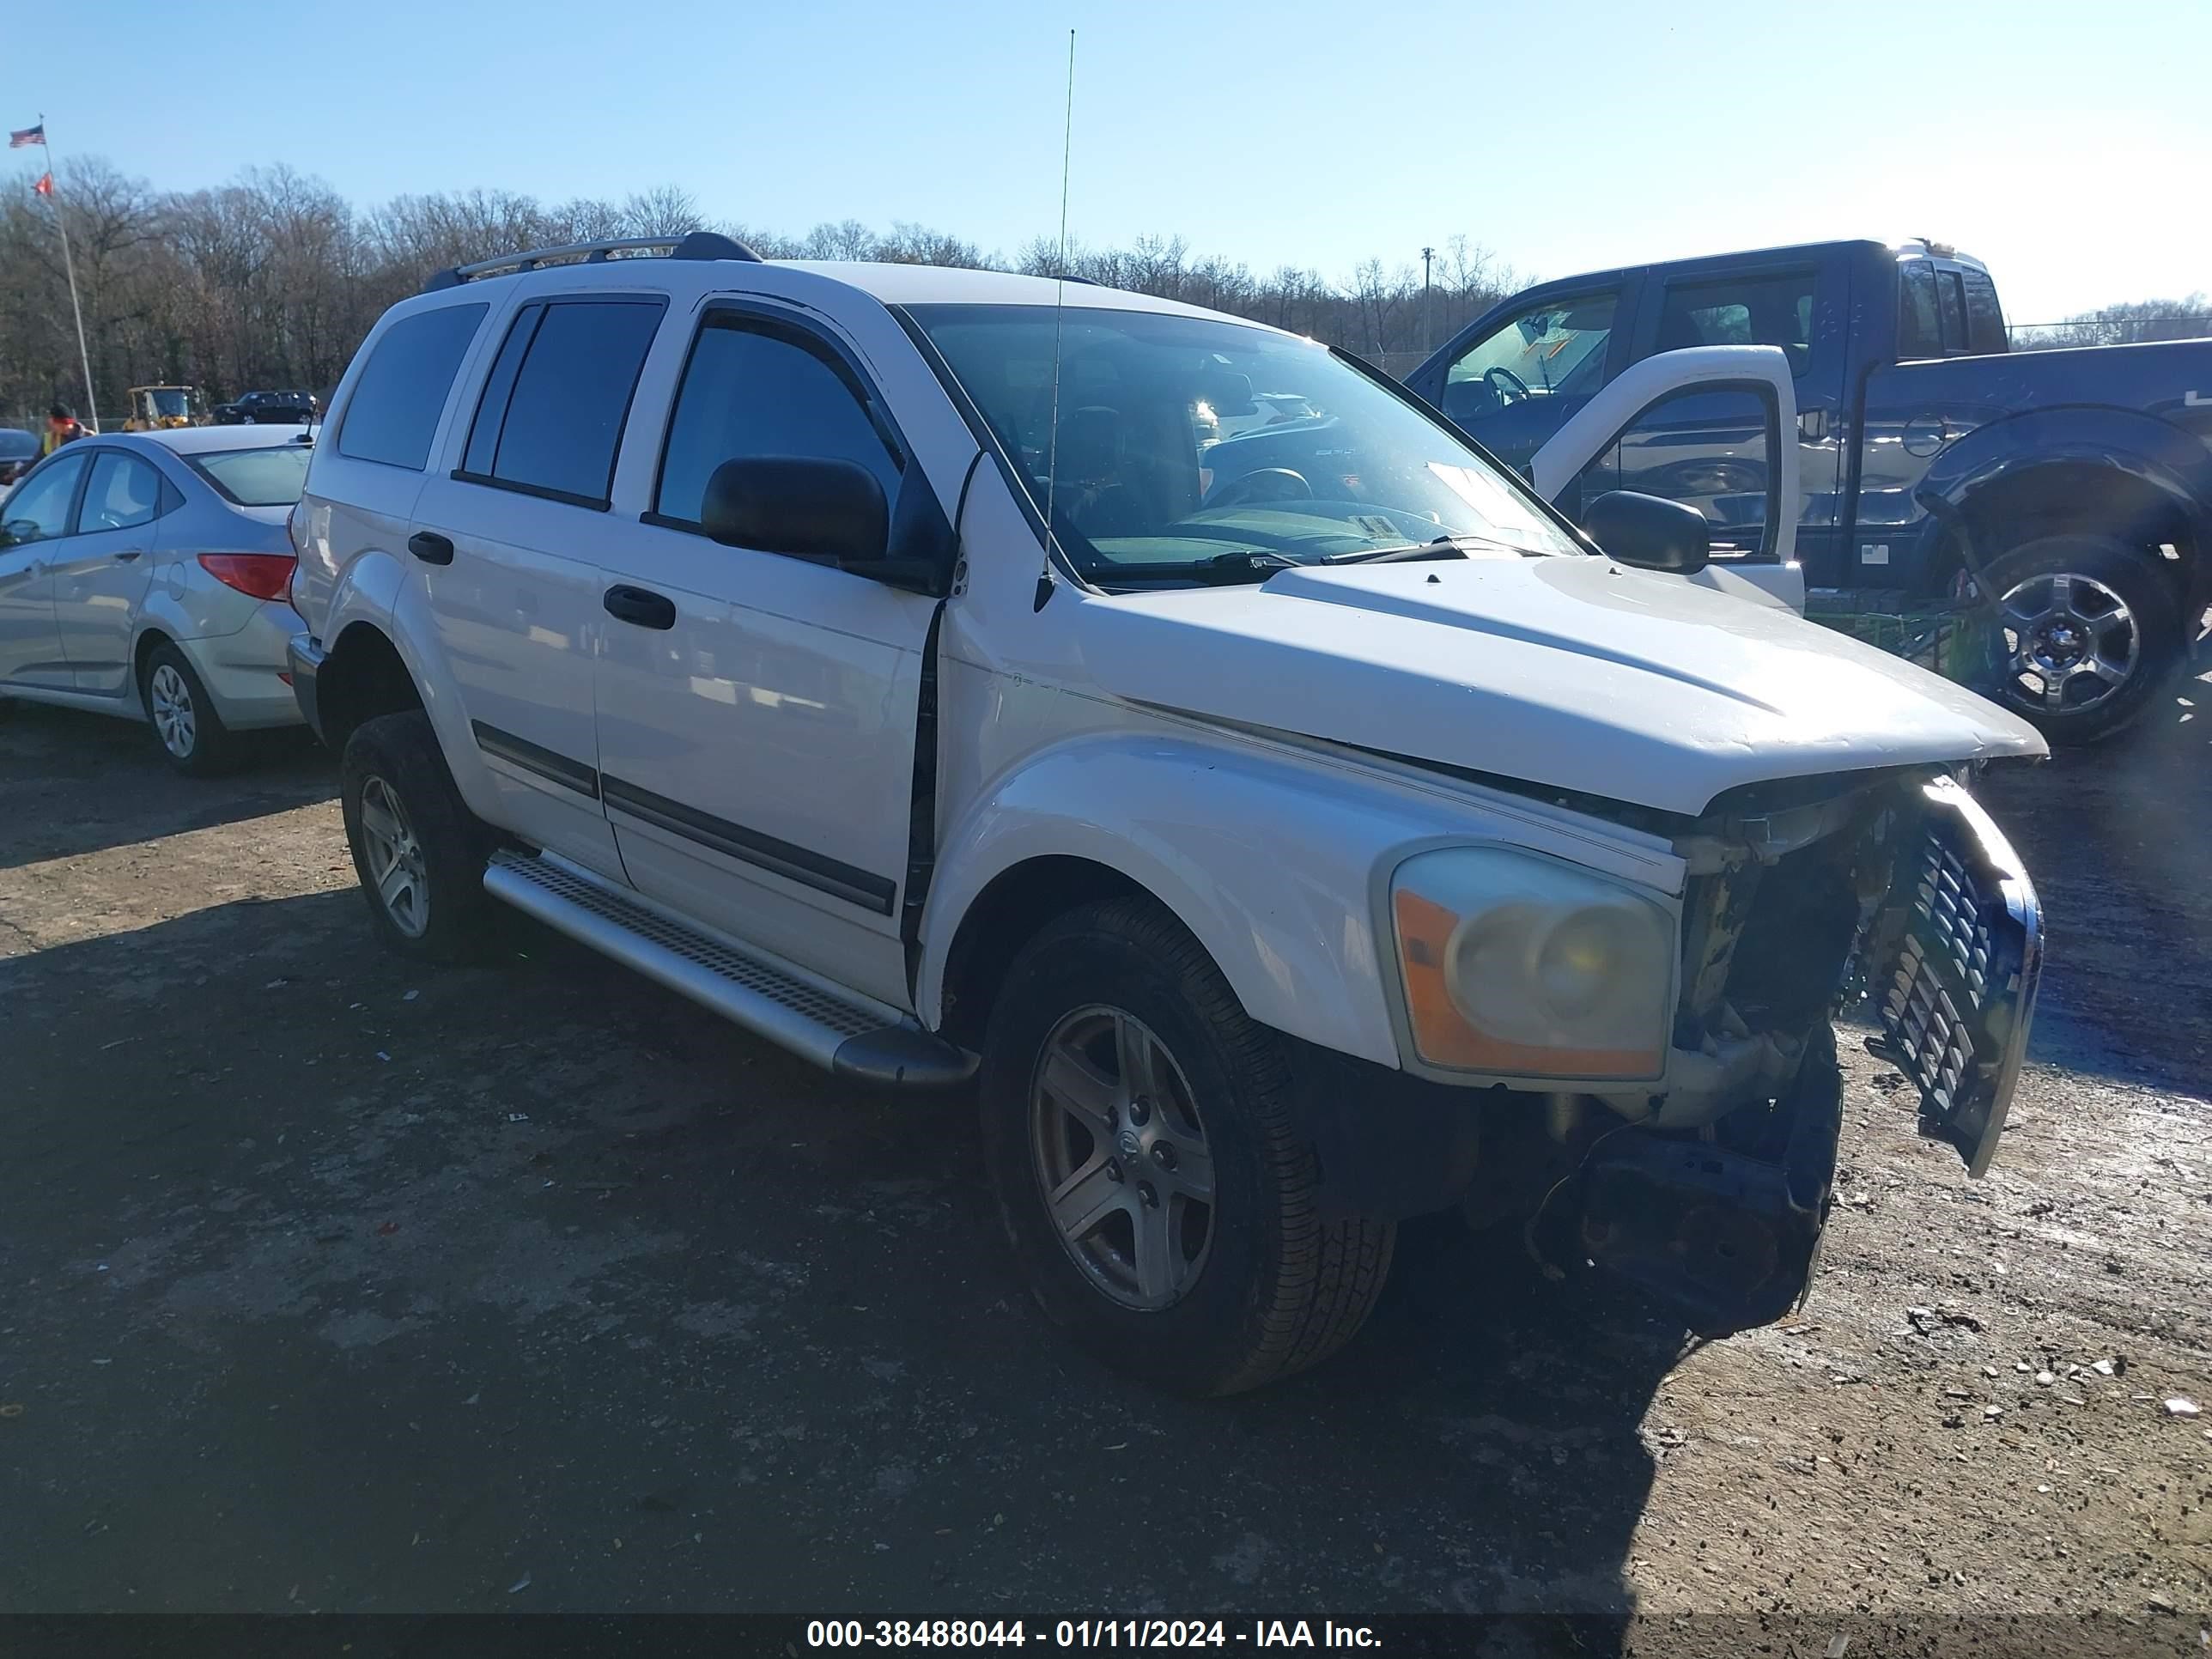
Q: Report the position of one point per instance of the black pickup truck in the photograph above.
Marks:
(2075, 486)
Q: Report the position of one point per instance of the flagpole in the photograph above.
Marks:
(68, 264)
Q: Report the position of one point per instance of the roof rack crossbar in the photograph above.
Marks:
(693, 245)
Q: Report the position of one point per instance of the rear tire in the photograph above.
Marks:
(2093, 617)
(419, 851)
(1188, 1247)
(192, 737)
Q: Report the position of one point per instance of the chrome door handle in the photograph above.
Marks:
(127, 554)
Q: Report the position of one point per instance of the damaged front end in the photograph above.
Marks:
(1714, 1193)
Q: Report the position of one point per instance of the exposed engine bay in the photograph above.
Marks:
(1896, 889)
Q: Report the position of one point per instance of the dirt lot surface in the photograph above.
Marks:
(326, 1282)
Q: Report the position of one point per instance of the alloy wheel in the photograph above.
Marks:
(174, 720)
(396, 866)
(2070, 642)
(1122, 1159)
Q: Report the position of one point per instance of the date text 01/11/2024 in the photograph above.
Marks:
(1084, 1633)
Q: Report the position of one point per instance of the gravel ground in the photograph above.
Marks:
(327, 1282)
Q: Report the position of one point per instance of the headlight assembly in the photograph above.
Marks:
(1521, 965)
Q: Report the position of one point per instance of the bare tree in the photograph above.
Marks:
(2133, 324)
(849, 240)
(272, 279)
(664, 210)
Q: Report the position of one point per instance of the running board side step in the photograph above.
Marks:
(837, 1034)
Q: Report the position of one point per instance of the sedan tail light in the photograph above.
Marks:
(262, 576)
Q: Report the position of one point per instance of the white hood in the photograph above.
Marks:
(1577, 673)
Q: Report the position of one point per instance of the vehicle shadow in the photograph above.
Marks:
(1523, 1417)
(49, 756)
(320, 1251)
(2113, 837)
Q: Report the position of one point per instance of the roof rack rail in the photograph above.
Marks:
(693, 245)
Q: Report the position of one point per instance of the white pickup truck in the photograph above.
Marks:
(890, 660)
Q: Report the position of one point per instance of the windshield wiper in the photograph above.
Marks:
(1248, 565)
(1443, 547)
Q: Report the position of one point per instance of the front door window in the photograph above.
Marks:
(1556, 350)
(1517, 385)
(39, 510)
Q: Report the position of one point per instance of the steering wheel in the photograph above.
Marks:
(1264, 483)
(1506, 387)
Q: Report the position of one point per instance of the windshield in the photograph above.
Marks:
(1560, 348)
(272, 476)
(1186, 440)
(170, 403)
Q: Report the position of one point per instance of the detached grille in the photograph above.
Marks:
(1934, 1046)
(1958, 996)
(1949, 898)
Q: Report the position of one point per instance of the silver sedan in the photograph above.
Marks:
(145, 575)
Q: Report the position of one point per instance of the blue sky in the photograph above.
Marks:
(2066, 145)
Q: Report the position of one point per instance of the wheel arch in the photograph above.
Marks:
(2088, 471)
(1268, 861)
(2084, 498)
(1010, 910)
(363, 675)
(152, 636)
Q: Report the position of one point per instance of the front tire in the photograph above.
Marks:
(419, 851)
(2090, 629)
(1150, 1173)
(193, 738)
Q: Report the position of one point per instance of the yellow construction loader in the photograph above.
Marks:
(157, 408)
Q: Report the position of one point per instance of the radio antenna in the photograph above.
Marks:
(1045, 583)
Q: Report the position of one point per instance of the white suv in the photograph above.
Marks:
(1302, 840)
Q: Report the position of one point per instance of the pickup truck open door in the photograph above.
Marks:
(1571, 467)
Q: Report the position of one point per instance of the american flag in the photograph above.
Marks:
(36, 135)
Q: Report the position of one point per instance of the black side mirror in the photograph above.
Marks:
(1649, 531)
(803, 505)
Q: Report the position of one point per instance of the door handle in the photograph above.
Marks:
(127, 554)
(430, 547)
(640, 605)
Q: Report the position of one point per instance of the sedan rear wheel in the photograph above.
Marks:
(192, 736)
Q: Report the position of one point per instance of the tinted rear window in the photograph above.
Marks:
(1985, 329)
(1918, 333)
(1951, 295)
(572, 376)
(393, 412)
(1775, 311)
